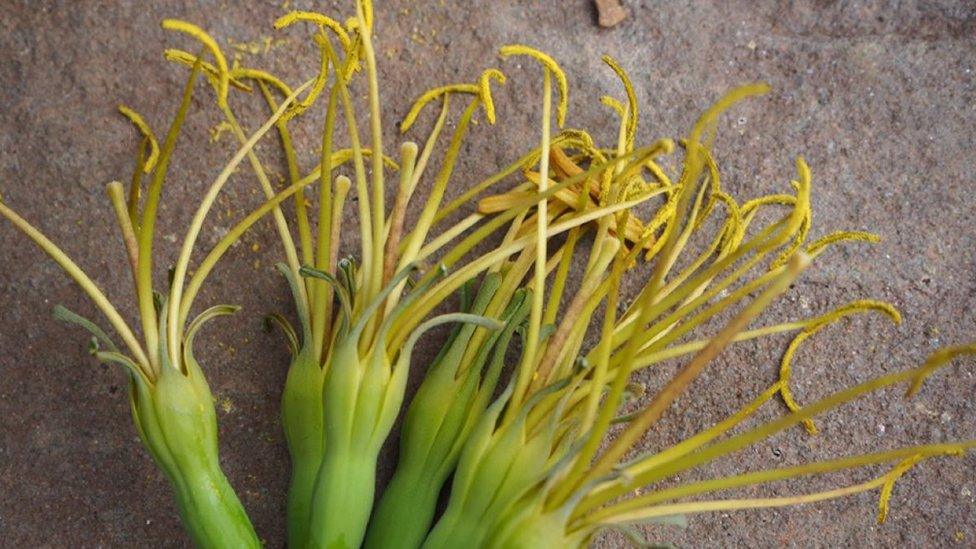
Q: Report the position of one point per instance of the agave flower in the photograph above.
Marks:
(541, 468)
(172, 406)
(541, 451)
(345, 382)
(350, 363)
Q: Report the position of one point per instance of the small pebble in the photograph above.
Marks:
(610, 12)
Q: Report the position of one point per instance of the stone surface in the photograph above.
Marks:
(879, 98)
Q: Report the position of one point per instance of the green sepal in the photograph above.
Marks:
(438, 421)
(64, 314)
(199, 321)
(477, 444)
(118, 358)
(528, 527)
(176, 420)
(395, 390)
(385, 292)
(503, 460)
(346, 275)
(342, 291)
(302, 421)
(291, 337)
(362, 397)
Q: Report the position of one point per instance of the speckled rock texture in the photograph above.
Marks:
(879, 97)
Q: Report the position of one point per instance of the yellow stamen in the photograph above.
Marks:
(147, 132)
(812, 328)
(223, 72)
(561, 83)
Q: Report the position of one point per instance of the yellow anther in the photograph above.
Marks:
(889, 484)
(553, 67)
(663, 217)
(188, 60)
(751, 206)
(617, 106)
(801, 212)
(482, 89)
(320, 80)
(815, 325)
(261, 76)
(484, 83)
(365, 9)
(350, 45)
(841, 236)
(146, 131)
(661, 147)
(733, 225)
(798, 239)
(223, 73)
(631, 133)
(320, 20)
(579, 139)
(714, 180)
(658, 173)
(433, 94)
(729, 99)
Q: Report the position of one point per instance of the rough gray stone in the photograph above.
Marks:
(878, 96)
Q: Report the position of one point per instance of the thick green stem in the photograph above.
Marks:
(299, 506)
(343, 499)
(405, 511)
(343, 490)
(177, 423)
(458, 529)
(444, 410)
(211, 512)
(301, 414)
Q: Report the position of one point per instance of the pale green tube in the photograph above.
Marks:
(178, 425)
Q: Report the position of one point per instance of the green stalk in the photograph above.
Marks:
(180, 429)
(533, 339)
(363, 196)
(291, 160)
(406, 509)
(182, 262)
(361, 399)
(499, 465)
(530, 528)
(86, 284)
(451, 399)
(302, 418)
(352, 400)
(346, 482)
(210, 511)
(321, 306)
(375, 126)
(177, 423)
